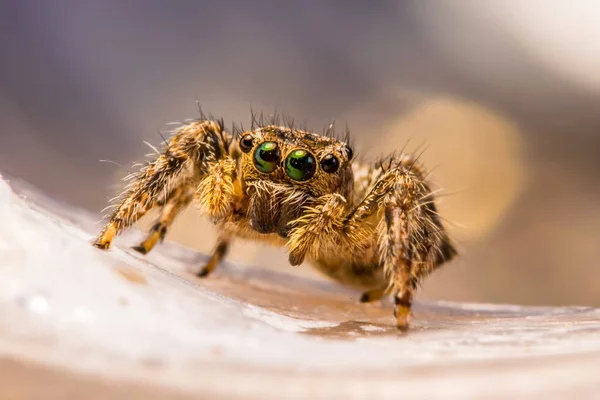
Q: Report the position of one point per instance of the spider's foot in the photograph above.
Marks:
(140, 249)
(102, 245)
(402, 313)
(105, 239)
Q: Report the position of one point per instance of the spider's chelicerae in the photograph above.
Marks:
(370, 226)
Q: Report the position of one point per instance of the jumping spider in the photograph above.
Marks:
(373, 227)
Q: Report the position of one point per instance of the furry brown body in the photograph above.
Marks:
(373, 227)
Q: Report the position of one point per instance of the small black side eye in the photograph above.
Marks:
(349, 152)
(246, 143)
(330, 163)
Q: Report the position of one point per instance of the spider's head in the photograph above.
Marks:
(283, 167)
(296, 159)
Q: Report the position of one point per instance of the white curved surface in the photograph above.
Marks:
(248, 333)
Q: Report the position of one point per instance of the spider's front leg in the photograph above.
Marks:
(195, 163)
(411, 238)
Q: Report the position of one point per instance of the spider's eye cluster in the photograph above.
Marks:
(300, 165)
(267, 157)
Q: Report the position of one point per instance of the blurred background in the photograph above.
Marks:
(504, 96)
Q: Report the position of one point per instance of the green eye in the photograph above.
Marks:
(267, 157)
(300, 165)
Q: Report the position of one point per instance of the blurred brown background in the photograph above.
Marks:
(505, 95)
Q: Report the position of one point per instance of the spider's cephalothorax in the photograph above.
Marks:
(373, 227)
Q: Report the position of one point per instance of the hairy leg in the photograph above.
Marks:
(410, 236)
(215, 193)
(394, 245)
(185, 160)
(178, 200)
(218, 254)
(217, 197)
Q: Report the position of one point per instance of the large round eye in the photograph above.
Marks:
(246, 143)
(300, 165)
(267, 157)
(330, 163)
